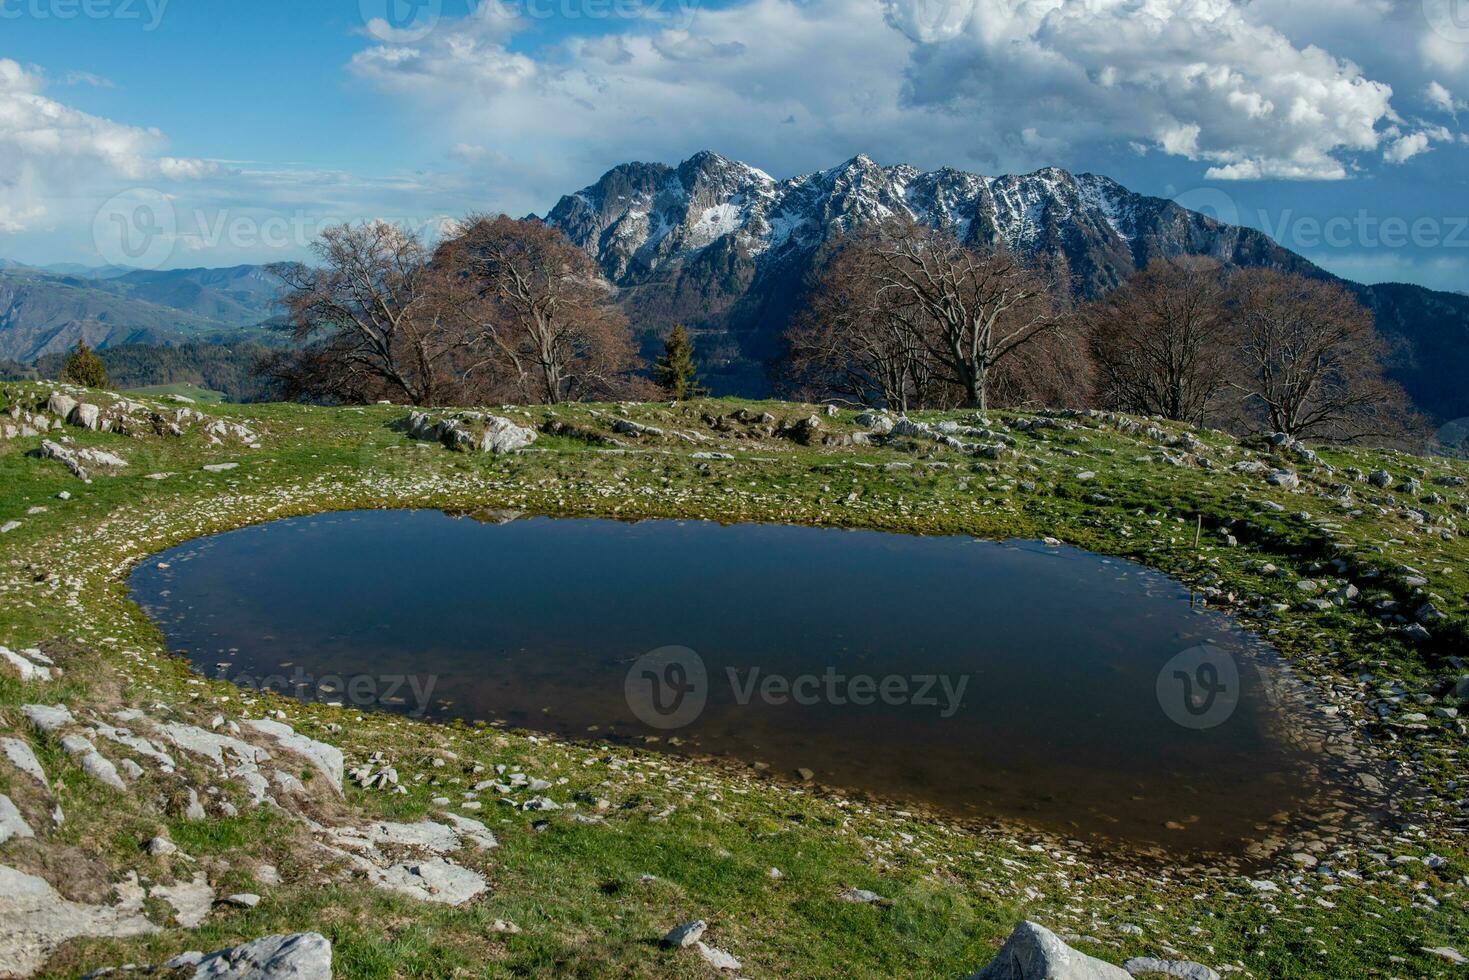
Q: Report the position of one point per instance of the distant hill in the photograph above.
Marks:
(726, 248)
(44, 312)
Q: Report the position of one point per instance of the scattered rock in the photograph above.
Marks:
(93, 763)
(22, 757)
(220, 467)
(1146, 966)
(1447, 953)
(48, 718)
(162, 847)
(245, 900)
(717, 958)
(684, 936)
(1283, 478)
(861, 896)
(300, 956)
(1033, 952)
(12, 824)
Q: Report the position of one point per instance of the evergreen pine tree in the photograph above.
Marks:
(675, 371)
(83, 367)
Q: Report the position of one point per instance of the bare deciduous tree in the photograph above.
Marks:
(1161, 341)
(1310, 360)
(980, 306)
(855, 341)
(371, 311)
(543, 308)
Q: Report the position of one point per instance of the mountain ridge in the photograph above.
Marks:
(726, 248)
(45, 312)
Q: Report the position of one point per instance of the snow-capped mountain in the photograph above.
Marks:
(726, 248)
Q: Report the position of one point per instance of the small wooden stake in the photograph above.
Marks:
(1199, 532)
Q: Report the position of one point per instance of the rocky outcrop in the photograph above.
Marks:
(377, 850)
(469, 431)
(327, 759)
(77, 459)
(298, 956)
(35, 919)
(1033, 952)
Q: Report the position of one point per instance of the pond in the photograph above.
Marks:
(999, 680)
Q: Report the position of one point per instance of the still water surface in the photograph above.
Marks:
(986, 679)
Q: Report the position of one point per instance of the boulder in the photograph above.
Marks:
(1148, 966)
(60, 405)
(1283, 478)
(300, 956)
(87, 416)
(684, 936)
(504, 436)
(1033, 952)
(1381, 479)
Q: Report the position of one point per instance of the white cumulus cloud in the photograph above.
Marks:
(988, 83)
(48, 150)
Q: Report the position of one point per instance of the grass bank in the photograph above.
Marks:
(644, 841)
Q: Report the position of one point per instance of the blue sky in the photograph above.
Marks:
(242, 128)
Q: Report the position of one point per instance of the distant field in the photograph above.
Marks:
(204, 395)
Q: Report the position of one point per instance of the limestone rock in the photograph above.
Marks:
(93, 763)
(35, 920)
(212, 745)
(327, 759)
(717, 957)
(504, 436)
(1147, 966)
(684, 936)
(22, 757)
(86, 416)
(473, 831)
(27, 669)
(300, 956)
(60, 405)
(191, 900)
(48, 718)
(12, 824)
(1033, 952)
(435, 880)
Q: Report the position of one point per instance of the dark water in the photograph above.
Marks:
(539, 623)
